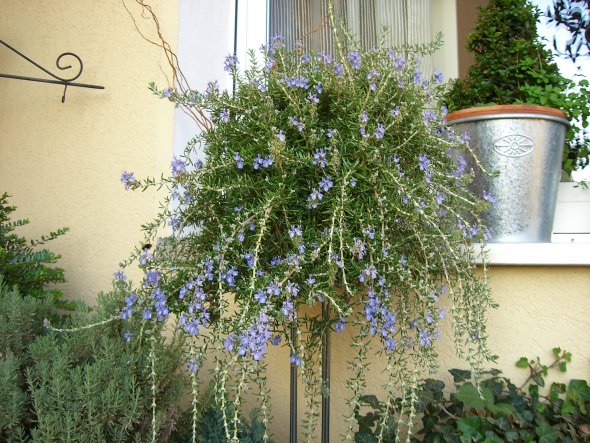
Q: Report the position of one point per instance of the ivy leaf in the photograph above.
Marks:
(523, 362)
(460, 375)
(372, 401)
(470, 396)
(470, 428)
(546, 433)
(502, 409)
(579, 393)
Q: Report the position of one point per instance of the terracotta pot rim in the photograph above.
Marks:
(494, 111)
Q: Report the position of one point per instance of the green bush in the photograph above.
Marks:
(512, 66)
(21, 321)
(88, 385)
(21, 261)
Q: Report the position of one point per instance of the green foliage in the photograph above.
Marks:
(21, 261)
(85, 385)
(21, 321)
(497, 410)
(512, 66)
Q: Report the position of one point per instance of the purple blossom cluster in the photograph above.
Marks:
(128, 179)
(297, 81)
(178, 167)
(265, 162)
(299, 125)
(239, 161)
(319, 158)
(224, 115)
(230, 63)
(373, 76)
(382, 321)
(354, 58)
(252, 341)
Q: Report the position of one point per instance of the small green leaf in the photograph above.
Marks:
(470, 396)
(563, 366)
(546, 433)
(538, 379)
(460, 375)
(470, 428)
(502, 409)
(523, 362)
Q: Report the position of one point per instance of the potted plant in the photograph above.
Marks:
(330, 181)
(516, 107)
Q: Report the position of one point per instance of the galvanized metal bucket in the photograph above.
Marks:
(524, 143)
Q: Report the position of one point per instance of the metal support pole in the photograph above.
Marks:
(293, 394)
(326, 375)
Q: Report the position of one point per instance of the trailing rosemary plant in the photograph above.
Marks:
(328, 178)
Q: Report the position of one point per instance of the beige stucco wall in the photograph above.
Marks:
(62, 162)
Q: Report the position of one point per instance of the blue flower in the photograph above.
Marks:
(295, 231)
(423, 162)
(231, 61)
(355, 59)
(128, 179)
(314, 197)
(288, 309)
(281, 135)
(340, 324)
(299, 125)
(428, 116)
(326, 183)
(395, 111)
(312, 98)
(230, 276)
(417, 76)
(260, 297)
(319, 158)
(380, 131)
(224, 115)
(438, 76)
(364, 117)
(127, 336)
(178, 166)
(273, 289)
(239, 161)
(295, 359)
(372, 76)
(152, 277)
(167, 92)
(119, 275)
(489, 197)
(194, 364)
(338, 69)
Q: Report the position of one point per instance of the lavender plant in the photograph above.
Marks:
(328, 178)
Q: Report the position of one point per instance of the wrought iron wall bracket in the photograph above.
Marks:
(65, 81)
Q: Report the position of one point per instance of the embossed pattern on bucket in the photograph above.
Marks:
(527, 152)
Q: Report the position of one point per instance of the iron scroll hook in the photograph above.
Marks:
(65, 81)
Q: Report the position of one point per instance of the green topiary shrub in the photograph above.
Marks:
(512, 66)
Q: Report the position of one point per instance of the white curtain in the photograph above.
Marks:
(407, 22)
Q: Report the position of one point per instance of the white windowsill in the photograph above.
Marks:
(536, 254)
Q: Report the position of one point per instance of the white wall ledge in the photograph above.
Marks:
(535, 254)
